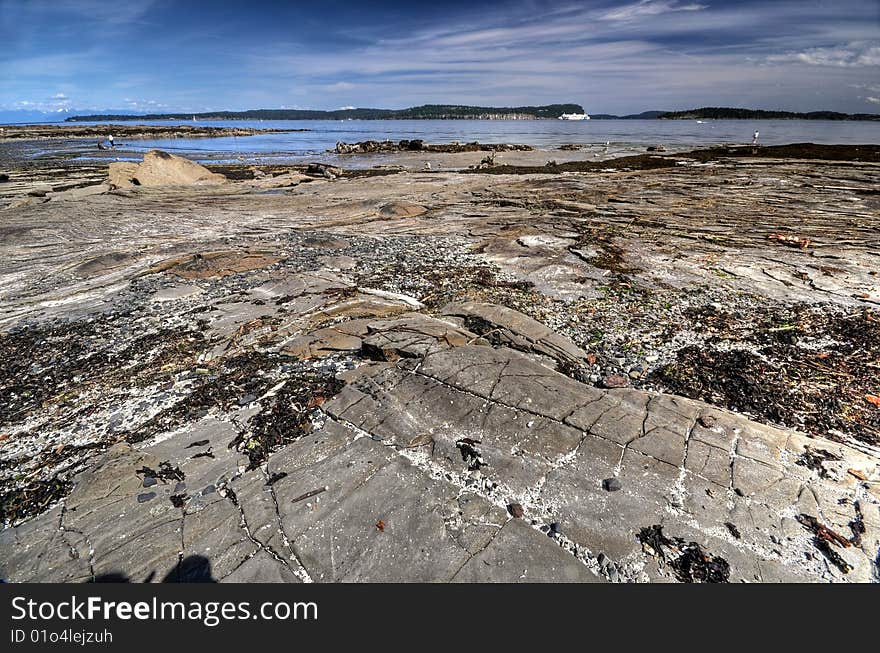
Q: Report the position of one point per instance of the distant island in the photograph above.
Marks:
(424, 112)
(726, 113)
(461, 112)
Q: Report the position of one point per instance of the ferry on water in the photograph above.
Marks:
(574, 116)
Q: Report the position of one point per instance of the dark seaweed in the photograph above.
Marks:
(17, 504)
(779, 381)
(165, 472)
(689, 563)
(823, 538)
(815, 460)
(470, 455)
(287, 417)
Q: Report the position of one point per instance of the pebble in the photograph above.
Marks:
(146, 496)
(516, 510)
(149, 481)
(611, 484)
(707, 421)
(244, 401)
(615, 381)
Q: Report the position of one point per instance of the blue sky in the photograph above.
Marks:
(611, 57)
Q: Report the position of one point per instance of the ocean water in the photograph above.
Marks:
(546, 134)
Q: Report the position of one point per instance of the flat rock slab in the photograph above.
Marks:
(410, 475)
(496, 419)
(215, 264)
(502, 325)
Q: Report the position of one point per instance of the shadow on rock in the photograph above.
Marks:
(192, 569)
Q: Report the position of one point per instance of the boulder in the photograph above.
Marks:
(323, 170)
(162, 169)
(122, 174)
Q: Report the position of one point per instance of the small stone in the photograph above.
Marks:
(146, 496)
(247, 399)
(613, 574)
(707, 421)
(149, 481)
(554, 528)
(615, 381)
(611, 484)
(516, 510)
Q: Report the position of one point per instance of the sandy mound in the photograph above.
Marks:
(162, 169)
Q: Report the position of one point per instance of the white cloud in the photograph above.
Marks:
(873, 100)
(850, 55)
(144, 105)
(648, 8)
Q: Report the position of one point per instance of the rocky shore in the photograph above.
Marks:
(34, 132)
(657, 369)
(374, 147)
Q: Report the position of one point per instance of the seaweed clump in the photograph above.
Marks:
(18, 504)
(290, 414)
(237, 379)
(688, 561)
(823, 538)
(54, 364)
(808, 367)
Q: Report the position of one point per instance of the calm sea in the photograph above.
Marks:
(622, 134)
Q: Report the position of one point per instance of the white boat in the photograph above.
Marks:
(574, 116)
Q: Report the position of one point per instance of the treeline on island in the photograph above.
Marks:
(424, 112)
(461, 112)
(726, 113)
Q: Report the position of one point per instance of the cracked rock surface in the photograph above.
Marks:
(227, 384)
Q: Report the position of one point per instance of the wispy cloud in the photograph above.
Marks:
(647, 8)
(340, 86)
(144, 105)
(855, 54)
